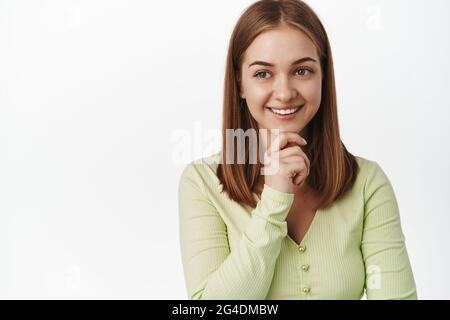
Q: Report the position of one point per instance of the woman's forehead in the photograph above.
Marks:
(282, 46)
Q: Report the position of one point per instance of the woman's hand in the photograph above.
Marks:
(285, 163)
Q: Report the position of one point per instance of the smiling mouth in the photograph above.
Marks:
(286, 112)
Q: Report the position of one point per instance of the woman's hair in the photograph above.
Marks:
(333, 169)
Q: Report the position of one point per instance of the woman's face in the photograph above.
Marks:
(286, 83)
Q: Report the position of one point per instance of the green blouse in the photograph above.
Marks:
(232, 251)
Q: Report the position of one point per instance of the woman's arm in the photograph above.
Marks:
(388, 270)
(211, 270)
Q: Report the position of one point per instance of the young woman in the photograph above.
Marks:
(325, 224)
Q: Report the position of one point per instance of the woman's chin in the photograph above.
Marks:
(287, 128)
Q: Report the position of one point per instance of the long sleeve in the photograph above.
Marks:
(211, 270)
(388, 270)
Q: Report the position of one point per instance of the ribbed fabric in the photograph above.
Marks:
(231, 251)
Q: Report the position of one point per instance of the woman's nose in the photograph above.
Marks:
(284, 90)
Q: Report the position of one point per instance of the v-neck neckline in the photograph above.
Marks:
(307, 234)
(308, 231)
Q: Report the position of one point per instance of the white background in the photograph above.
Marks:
(102, 103)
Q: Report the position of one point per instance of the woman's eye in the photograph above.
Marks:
(259, 73)
(304, 70)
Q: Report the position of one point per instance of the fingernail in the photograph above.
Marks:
(305, 141)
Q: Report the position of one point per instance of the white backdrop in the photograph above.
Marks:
(102, 103)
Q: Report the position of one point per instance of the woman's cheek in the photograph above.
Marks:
(259, 96)
(312, 91)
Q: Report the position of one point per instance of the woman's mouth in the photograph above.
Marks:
(285, 114)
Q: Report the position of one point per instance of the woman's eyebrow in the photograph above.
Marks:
(267, 64)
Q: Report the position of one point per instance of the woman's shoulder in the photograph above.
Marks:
(371, 175)
(368, 167)
(203, 169)
(365, 165)
(205, 164)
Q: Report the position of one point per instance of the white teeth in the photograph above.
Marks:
(287, 111)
